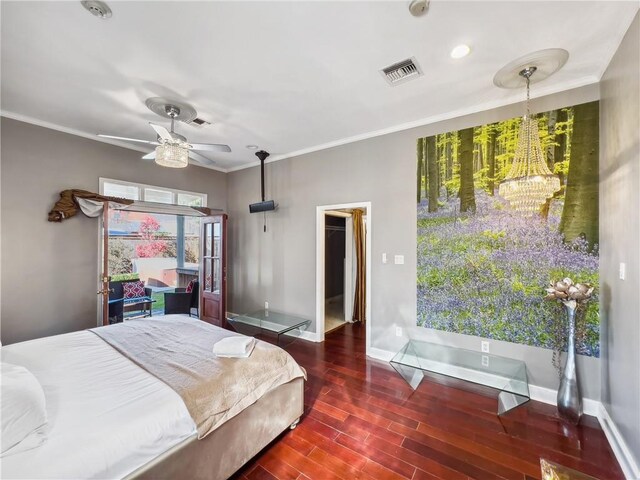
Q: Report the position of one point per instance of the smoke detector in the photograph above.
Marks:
(402, 71)
(97, 8)
(417, 8)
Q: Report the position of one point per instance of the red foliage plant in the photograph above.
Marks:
(151, 247)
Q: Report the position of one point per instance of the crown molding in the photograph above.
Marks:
(481, 107)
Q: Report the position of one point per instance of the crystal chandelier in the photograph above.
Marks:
(529, 182)
(172, 155)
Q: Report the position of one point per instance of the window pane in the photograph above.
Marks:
(216, 275)
(190, 200)
(216, 239)
(207, 275)
(121, 191)
(207, 240)
(158, 196)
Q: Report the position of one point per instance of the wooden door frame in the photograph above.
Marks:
(223, 261)
(320, 266)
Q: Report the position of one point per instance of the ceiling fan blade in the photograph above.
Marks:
(210, 147)
(128, 139)
(200, 158)
(150, 156)
(162, 132)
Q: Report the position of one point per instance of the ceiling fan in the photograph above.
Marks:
(173, 149)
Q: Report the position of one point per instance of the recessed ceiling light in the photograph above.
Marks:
(252, 147)
(460, 51)
(97, 8)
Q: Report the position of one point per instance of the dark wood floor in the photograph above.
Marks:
(363, 421)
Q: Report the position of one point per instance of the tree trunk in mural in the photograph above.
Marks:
(551, 131)
(580, 212)
(465, 155)
(419, 149)
(432, 174)
(491, 160)
(448, 156)
(560, 136)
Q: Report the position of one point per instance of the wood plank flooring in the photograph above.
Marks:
(362, 421)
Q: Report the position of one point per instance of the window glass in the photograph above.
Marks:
(150, 193)
(158, 196)
(190, 200)
(110, 189)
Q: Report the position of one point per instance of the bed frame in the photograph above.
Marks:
(229, 447)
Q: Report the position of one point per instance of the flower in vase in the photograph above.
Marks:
(568, 292)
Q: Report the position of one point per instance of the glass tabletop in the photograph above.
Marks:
(506, 374)
(269, 320)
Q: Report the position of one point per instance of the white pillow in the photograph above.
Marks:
(23, 410)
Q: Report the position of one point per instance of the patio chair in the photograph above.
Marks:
(182, 301)
(118, 305)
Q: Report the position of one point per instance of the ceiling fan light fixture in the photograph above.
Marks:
(172, 156)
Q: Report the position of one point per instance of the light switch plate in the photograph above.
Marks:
(399, 259)
(398, 331)
(266, 305)
(384, 258)
(623, 270)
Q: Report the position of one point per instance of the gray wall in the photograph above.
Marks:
(279, 265)
(620, 237)
(50, 270)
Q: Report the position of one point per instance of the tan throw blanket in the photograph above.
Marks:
(179, 351)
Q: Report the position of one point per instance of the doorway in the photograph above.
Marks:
(335, 270)
(337, 274)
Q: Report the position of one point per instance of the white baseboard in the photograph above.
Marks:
(621, 450)
(380, 354)
(549, 396)
(309, 336)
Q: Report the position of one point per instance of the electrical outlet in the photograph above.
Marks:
(398, 331)
(484, 346)
(399, 259)
(266, 305)
(485, 360)
(623, 271)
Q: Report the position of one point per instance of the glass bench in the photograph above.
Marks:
(268, 321)
(504, 374)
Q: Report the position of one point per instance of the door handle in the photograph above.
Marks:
(104, 291)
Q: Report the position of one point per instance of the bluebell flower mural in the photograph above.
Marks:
(483, 267)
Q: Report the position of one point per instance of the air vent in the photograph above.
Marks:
(402, 71)
(198, 122)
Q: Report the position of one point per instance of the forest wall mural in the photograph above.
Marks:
(483, 267)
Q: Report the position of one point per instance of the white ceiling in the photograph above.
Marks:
(290, 77)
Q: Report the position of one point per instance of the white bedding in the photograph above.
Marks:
(126, 417)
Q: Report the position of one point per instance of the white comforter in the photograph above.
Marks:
(107, 416)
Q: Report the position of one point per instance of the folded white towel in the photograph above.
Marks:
(234, 347)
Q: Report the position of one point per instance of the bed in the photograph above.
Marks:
(108, 417)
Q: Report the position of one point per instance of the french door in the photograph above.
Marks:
(213, 270)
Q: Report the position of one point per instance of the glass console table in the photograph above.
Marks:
(504, 374)
(263, 321)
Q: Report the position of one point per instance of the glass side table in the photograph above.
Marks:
(504, 374)
(262, 321)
